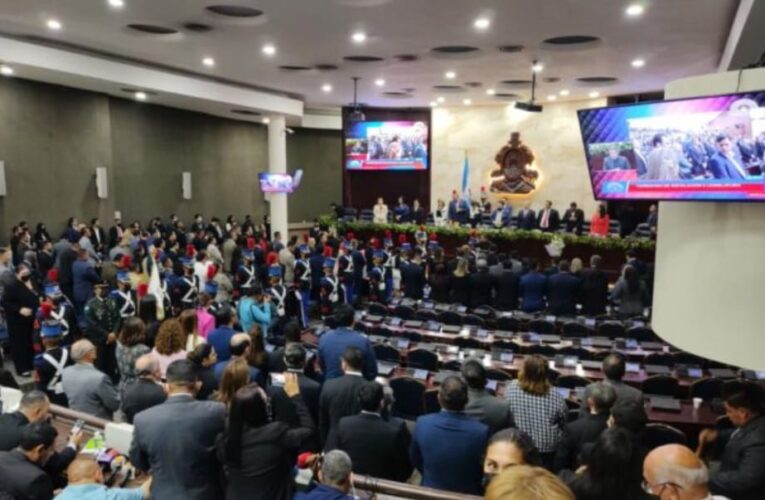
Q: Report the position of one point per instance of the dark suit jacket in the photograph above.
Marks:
(533, 287)
(84, 276)
(284, 409)
(594, 292)
(722, 167)
(490, 410)
(181, 456)
(740, 475)
(480, 289)
(333, 344)
(338, 399)
(506, 286)
(527, 220)
(413, 280)
(562, 293)
(22, 479)
(575, 436)
(447, 448)
(113, 237)
(553, 222)
(574, 220)
(140, 395)
(376, 447)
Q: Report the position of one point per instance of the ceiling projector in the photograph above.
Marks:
(356, 116)
(531, 107)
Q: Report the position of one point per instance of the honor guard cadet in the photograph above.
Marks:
(345, 270)
(124, 298)
(102, 322)
(303, 283)
(329, 292)
(277, 291)
(421, 239)
(188, 285)
(59, 309)
(377, 283)
(246, 275)
(49, 365)
(359, 269)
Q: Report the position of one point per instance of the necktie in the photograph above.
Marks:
(738, 167)
(545, 219)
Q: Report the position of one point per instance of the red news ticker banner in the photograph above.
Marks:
(753, 189)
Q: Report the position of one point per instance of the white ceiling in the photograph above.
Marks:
(676, 38)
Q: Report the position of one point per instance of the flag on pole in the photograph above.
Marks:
(465, 176)
(155, 286)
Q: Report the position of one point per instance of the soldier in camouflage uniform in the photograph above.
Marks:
(102, 320)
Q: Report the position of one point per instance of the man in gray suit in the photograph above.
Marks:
(614, 368)
(482, 405)
(175, 440)
(88, 389)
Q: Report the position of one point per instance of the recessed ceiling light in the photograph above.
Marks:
(450, 75)
(594, 94)
(537, 67)
(380, 82)
(140, 96)
(635, 10)
(564, 92)
(326, 88)
(209, 62)
(482, 23)
(552, 97)
(441, 100)
(359, 37)
(638, 63)
(266, 121)
(53, 24)
(467, 102)
(269, 50)
(433, 104)
(490, 91)
(6, 70)
(117, 4)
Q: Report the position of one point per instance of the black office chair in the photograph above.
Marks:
(386, 353)
(412, 335)
(473, 320)
(659, 358)
(499, 375)
(655, 435)
(421, 358)
(553, 376)
(660, 385)
(377, 309)
(409, 394)
(686, 358)
(453, 365)
(572, 414)
(642, 334)
(361, 327)
(450, 318)
(486, 312)
(572, 381)
(426, 315)
(573, 329)
(541, 326)
(579, 352)
(431, 401)
(404, 312)
(508, 324)
(506, 345)
(544, 350)
(382, 331)
(611, 329)
(706, 388)
(468, 343)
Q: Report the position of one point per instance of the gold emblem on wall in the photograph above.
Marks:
(514, 173)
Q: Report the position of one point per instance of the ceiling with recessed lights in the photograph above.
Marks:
(408, 52)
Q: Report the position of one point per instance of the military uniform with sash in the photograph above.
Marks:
(49, 365)
(102, 318)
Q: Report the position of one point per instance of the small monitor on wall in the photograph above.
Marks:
(704, 148)
(275, 183)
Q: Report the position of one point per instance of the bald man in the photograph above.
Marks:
(674, 472)
(146, 391)
(86, 482)
(241, 345)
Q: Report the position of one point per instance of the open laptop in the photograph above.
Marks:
(728, 373)
(564, 392)
(412, 323)
(394, 321)
(503, 356)
(591, 365)
(417, 373)
(565, 361)
(657, 369)
(372, 318)
(632, 367)
(652, 346)
(461, 309)
(690, 371)
(451, 329)
(433, 326)
(439, 377)
(400, 342)
(549, 339)
(661, 403)
(384, 369)
(481, 333)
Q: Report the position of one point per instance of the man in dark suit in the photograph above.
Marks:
(743, 447)
(339, 396)
(21, 473)
(526, 218)
(482, 405)
(97, 236)
(723, 165)
(377, 448)
(175, 440)
(594, 290)
(115, 233)
(448, 446)
(614, 161)
(413, 277)
(146, 391)
(574, 219)
(283, 406)
(586, 429)
(563, 291)
(533, 286)
(506, 286)
(332, 346)
(548, 219)
(481, 284)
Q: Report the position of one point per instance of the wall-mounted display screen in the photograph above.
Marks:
(386, 145)
(275, 183)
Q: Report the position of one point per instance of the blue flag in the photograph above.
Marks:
(465, 175)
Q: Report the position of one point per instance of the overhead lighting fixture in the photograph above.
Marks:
(117, 4)
(482, 23)
(564, 92)
(209, 62)
(6, 70)
(441, 100)
(594, 94)
(537, 67)
(359, 37)
(552, 97)
(356, 115)
(380, 82)
(269, 50)
(54, 24)
(635, 10)
(140, 96)
(450, 75)
(266, 120)
(433, 104)
(490, 91)
(467, 102)
(326, 88)
(638, 63)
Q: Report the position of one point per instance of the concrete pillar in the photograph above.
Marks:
(277, 164)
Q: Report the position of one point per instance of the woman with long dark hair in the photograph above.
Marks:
(41, 235)
(131, 345)
(20, 301)
(258, 454)
(629, 293)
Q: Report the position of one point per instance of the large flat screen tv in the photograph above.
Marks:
(386, 145)
(704, 148)
(276, 183)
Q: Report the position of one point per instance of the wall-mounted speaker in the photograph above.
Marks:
(3, 189)
(186, 185)
(102, 189)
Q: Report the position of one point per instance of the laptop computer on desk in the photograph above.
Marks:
(565, 361)
(442, 307)
(503, 356)
(394, 321)
(412, 323)
(371, 318)
(417, 373)
(689, 371)
(377, 339)
(657, 370)
(652, 346)
(439, 377)
(451, 329)
(400, 342)
(385, 369)
(591, 365)
(549, 339)
(433, 326)
(660, 403)
(728, 373)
